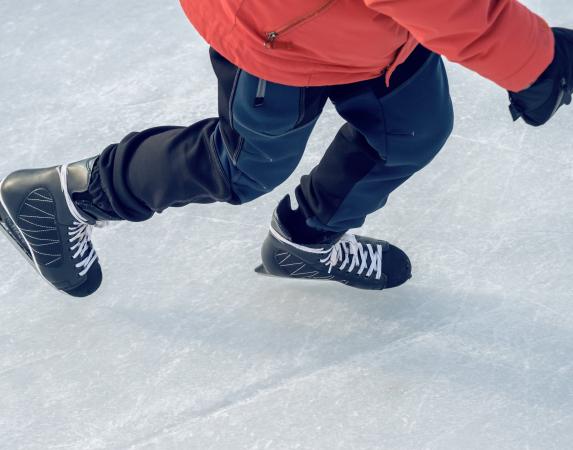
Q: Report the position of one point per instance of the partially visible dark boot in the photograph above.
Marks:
(49, 215)
(293, 249)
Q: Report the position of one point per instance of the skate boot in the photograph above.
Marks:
(48, 216)
(293, 249)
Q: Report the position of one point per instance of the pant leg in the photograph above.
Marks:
(252, 147)
(390, 134)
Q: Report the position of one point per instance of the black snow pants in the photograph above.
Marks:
(260, 136)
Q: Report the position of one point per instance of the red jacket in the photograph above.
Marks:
(326, 42)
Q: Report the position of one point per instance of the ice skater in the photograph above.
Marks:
(277, 63)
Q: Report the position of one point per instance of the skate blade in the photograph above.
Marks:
(260, 269)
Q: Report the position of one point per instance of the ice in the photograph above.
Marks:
(185, 347)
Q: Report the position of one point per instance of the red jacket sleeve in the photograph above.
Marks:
(501, 40)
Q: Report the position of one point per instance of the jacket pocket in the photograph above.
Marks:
(272, 36)
(277, 18)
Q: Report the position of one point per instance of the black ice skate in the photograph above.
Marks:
(39, 216)
(352, 260)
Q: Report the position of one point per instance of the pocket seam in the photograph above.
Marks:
(232, 97)
(214, 157)
(234, 153)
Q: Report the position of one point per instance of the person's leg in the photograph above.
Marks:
(391, 134)
(252, 147)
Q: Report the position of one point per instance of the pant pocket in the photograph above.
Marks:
(418, 115)
(263, 107)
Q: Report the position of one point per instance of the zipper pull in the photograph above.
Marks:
(261, 92)
(271, 38)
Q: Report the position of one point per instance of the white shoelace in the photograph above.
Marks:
(80, 232)
(349, 252)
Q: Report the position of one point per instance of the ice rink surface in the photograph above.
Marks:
(184, 347)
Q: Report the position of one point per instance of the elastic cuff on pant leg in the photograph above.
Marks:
(315, 224)
(308, 228)
(311, 218)
(97, 195)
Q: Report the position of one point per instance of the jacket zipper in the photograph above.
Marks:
(272, 36)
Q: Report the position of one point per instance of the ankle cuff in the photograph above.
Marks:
(94, 202)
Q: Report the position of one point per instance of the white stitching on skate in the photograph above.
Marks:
(290, 264)
(45, 227)
(38, 231)
(37, 192)
(38, 209)
(302, 265)
(40, 200)
(34, 217)
(41, 239)
(47, 254)
(43, 245)
(309, 275)
(53, 261)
